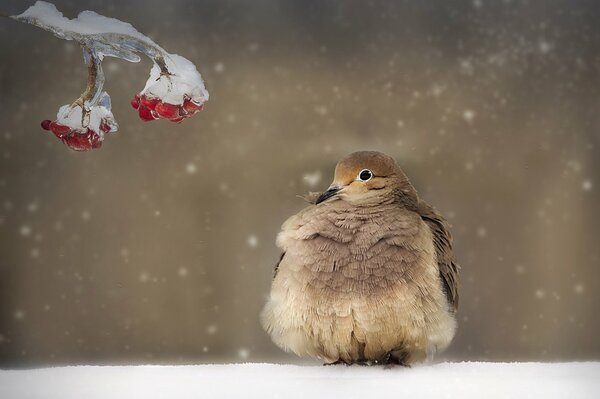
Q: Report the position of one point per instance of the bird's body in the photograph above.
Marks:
(360, 278)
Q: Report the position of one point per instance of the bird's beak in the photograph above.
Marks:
(331, 191)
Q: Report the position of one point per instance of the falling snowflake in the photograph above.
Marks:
(312, 179)
(586, 185)
(211, 329)
(219, 67)
(86, 215)
(182, 272)
(191, 168)
(540, 294)
(252, 241)
(469, 115)
(544, 47)
(243, 353)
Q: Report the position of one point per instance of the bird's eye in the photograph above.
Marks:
(365, 175)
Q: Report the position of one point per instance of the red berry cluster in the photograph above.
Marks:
(76, 139)
(150, 109)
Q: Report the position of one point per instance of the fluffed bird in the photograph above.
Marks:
(367, 273)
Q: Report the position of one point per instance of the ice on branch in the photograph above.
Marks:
(174, 91)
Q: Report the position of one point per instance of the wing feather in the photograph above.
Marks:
(449, 269)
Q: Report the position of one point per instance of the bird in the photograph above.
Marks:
(367, 273)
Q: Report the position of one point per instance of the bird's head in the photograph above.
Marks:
(369, 178)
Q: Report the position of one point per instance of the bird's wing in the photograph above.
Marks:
(442, 239)
(277, 265)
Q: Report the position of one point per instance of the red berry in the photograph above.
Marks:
(59, 130)
(76, 141)
(135, 103)
(83, 141)
(167, 111)
(95, 139)
(46, 124)
(189, 106)
(149, 102)
(145, 114)
(104, 126)
(178, 120)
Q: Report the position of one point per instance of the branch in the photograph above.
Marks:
(174, 91)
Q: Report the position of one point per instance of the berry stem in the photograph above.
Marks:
(94, 85)
(95, 82)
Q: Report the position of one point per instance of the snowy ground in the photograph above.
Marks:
(452, 380)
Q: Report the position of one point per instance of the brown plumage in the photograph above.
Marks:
(367, 273)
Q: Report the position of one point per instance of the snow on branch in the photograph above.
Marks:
(174, 91)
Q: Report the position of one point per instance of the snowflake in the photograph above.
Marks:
(191, 168)
(182, 272)
(86, 215)
(540, 294)
(243, 353)
(544, 47)
(312, 179)
(252, 241)
(469, 115)
(212, 329)
(219, 67)
(586, 185)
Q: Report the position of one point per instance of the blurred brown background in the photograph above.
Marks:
(159, 247)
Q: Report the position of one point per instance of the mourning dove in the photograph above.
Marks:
(367, 273)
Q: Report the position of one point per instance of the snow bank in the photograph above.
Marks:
(444, 380)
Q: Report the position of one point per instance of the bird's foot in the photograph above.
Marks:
(391, 360)
(339, 361)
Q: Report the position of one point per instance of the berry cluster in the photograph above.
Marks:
(150, 109)
(77, 139)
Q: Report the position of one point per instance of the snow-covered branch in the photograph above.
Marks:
(174, 91)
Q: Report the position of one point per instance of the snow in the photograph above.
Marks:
(185, 82)
(71, 116)
(451, 380)
(86, 23)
